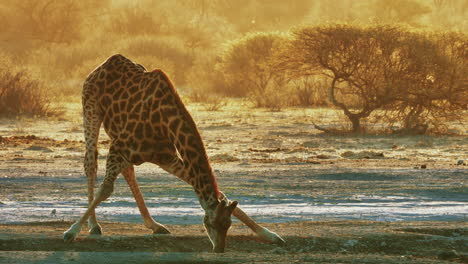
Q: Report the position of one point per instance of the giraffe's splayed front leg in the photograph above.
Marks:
(72, 232)
(261, 231)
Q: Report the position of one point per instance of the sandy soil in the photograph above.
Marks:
(325, 242)
(335, 199)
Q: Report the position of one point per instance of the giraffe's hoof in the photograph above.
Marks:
(96, 230)
(68, 237)
(71, 233)
(272, 237)
(162, 230)
(279, 241)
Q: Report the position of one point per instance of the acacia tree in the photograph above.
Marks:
(416, 78)
(363, 64)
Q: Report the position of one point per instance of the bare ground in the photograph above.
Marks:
(322, 242)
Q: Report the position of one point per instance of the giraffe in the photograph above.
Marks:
(147, 122)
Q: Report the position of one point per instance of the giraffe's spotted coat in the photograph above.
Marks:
(147, 122)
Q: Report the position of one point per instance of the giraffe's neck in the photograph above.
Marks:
(198, 171)
(187, 140)
(200, 175)
(209, 205)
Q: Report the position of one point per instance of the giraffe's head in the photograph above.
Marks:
(217, 223)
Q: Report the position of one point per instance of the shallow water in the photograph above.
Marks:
(279, 191)
(273, 209)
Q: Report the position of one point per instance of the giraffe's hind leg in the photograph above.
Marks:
(114, 165)
(92, 123)
(91, 170)
(129, 174)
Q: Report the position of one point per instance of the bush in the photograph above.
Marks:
(20, 95)
(67, 66)
(249, 69)
(308, 91)
(132, 20)
(44, 22)
(164, 53)
(437, 91)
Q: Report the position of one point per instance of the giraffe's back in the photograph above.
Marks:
(142, 113)
(131, 102)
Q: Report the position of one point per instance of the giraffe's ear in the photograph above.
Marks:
(221, 206)
(232, 205)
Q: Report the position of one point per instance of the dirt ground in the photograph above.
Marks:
(323, 242)
(334, 199)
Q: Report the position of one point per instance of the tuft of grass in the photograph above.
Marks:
(209, 102)
(75, 128)
(20, 95)
(214, 103)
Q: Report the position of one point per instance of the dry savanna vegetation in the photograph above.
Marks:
(338, 124)
(400, 63)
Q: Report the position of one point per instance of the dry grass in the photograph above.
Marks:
(21, 95)
(210, 102)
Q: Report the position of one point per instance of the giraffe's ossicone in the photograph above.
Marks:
(147, 122)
